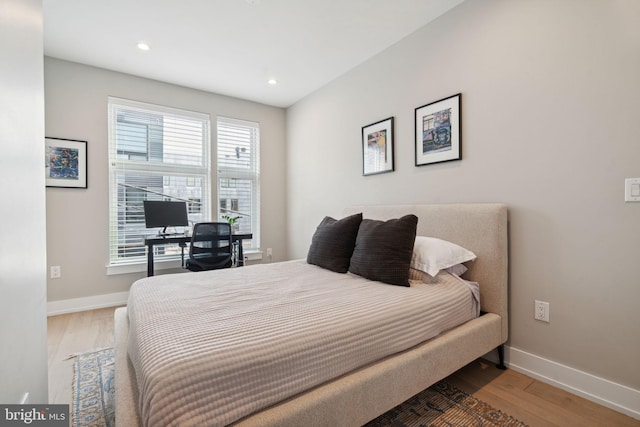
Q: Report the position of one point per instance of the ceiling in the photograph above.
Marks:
(233, 47)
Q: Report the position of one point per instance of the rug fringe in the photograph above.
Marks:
(80, 353)
(74, 392)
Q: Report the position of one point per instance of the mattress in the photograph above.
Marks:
(211, 348)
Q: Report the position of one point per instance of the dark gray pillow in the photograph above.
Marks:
(384, 248)
(333, 242)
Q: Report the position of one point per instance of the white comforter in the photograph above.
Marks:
(210, 348)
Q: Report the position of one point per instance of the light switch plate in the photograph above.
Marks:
(632, 190)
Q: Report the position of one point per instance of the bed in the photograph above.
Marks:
(352, 398)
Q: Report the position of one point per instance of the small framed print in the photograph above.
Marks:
(65, 163)
(377, 147)
(438, 137)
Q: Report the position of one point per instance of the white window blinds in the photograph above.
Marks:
(238, 163)
(155, 153)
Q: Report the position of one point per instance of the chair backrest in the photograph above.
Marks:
(211, 245)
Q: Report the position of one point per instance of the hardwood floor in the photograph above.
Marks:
(532, 402)
(70, 334)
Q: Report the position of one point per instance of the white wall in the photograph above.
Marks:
(77, 219)
(23, 328)
(550, 103)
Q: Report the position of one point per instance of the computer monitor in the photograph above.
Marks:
(160, 213)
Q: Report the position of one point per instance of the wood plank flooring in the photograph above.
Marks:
(532, 402)
(70, 334)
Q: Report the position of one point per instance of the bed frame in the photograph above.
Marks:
(362, 395)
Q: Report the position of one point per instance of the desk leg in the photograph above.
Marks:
(150, 260)
(240, 254)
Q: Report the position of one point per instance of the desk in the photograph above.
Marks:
(183, 240)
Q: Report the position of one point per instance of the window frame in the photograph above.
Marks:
(229, 173)
(149, 168)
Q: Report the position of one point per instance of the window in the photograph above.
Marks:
(239, 176)
(155, 153)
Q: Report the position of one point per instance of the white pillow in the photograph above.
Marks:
(458, 269)
(432, 255)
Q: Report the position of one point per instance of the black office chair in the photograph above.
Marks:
(211, 247)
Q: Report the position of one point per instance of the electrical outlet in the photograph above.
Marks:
(269, 252)
(56, 272)
(541, 311)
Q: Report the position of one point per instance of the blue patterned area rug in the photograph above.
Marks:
(93, 390)
(440, 405)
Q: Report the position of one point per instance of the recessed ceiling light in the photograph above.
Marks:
(143, 46)
(272, 82)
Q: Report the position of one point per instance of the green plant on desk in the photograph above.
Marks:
(231, 219)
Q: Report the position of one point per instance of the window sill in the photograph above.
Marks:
(141, 267)
(252, 255)
(169, 264)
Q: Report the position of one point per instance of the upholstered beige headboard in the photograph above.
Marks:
(481, 228)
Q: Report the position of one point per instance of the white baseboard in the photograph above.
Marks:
(86, 303)
(616, 396)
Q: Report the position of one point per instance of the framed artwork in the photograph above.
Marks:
(438, 137)
(377, 147)
(65, 163)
